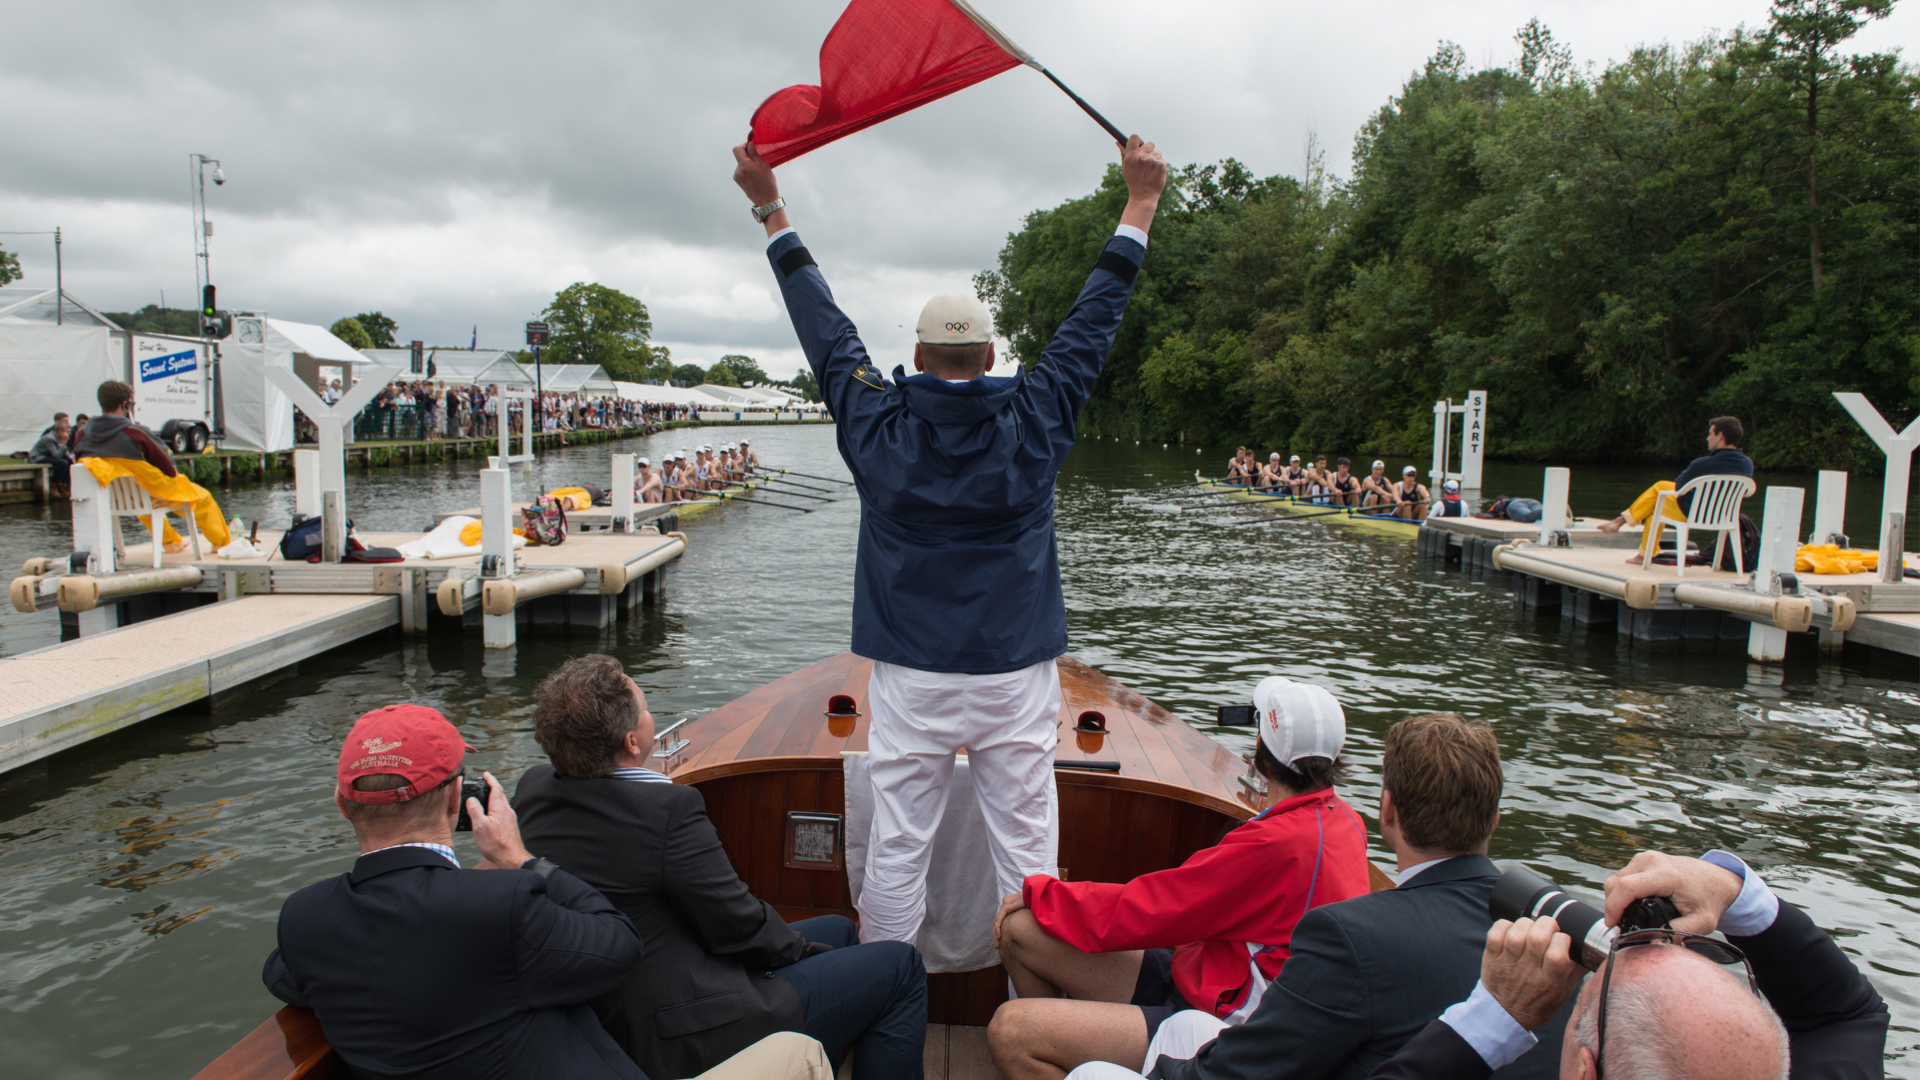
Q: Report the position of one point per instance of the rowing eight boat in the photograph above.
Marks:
(1371, 519)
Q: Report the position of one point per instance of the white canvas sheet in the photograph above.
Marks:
(49, 369)
(258, 415)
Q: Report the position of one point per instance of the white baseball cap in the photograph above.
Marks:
(954, 319)
(644, 461)
(1379, 464)
(1409, 471)
(1298, 720)
(1451, 487)
(1275, 456)
(1295, 457)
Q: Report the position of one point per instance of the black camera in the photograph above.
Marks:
(1235, 716)
(1523, 894)
(470, 788)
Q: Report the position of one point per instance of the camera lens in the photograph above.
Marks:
(1523, 894)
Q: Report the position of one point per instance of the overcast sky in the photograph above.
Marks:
(455, 164)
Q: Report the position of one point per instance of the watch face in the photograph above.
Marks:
(249, 331)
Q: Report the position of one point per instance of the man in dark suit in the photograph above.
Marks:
(1669, 1011)
(1368, 973)
(419, 969)
(722, 968)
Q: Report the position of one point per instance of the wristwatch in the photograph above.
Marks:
(762, 213)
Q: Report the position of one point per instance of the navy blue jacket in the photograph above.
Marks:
(957, 568)
(1836, 1024)
(1366, 975)
(418, 969)
(1726, 461)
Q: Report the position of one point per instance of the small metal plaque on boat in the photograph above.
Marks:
(814, 841)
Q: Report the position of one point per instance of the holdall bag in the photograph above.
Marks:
(545, 522)
(365, 554)
(302, 540)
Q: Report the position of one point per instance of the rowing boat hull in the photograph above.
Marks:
(1352, 516)
(696, 507)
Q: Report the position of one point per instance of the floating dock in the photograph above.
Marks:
(67, 694)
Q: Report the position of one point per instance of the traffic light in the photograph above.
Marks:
(207, 305)
(211, 325)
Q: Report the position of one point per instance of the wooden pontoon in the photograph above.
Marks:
(1142, 797)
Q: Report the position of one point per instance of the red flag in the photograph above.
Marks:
(883, 58)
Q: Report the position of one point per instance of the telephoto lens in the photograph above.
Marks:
(1523, 894)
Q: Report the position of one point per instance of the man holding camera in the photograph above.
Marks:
(1367, 974)
(1669, 1001)
(419, 969)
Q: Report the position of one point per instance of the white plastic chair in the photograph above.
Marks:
(125, 499)
(1715, 507)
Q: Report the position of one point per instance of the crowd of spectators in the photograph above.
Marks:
(425, 410)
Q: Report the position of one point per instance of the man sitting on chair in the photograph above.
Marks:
(127, 449)
(1724, 458)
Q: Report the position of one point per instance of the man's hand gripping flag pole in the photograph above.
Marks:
(886, 57)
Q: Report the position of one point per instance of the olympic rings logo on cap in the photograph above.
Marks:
(958, 327)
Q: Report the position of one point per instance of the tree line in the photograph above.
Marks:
(1615, 255)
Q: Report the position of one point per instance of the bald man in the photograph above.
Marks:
(1670, 1011)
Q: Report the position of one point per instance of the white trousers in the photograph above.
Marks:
(1181, 1036)
(918, 720)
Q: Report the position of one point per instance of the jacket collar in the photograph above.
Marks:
(1459, 868)
(941, 402)
(373, 864)
(1311, 798)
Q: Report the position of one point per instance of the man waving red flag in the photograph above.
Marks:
(883, 58)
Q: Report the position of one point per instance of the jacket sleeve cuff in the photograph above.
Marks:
(1486, 1026)
(1138, 236)
(775, 238)
(1755, 909)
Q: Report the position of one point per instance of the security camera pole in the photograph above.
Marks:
(203, 278)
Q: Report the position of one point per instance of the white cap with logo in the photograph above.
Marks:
(954, 319)
(1298, 720)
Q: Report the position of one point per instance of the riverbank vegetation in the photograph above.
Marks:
(1614, 254)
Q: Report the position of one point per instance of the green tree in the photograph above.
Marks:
(721, 374)
(9, 267)
(597, 324)
(691, 374)
(803, 383)
(154, 319)
(351, 331)
(745, 369)
(381, 330)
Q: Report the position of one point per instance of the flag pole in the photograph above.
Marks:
(1022, 55)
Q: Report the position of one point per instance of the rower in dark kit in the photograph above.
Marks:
(957, 592)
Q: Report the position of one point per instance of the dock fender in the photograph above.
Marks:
(1501, 550)
(1794, 614)
(613, 578)
(498, 596)
(451, 596)
(1641, 595)
(24, 593)
(682, 536)
(1843, 611)
(79, 592)
(39, 566)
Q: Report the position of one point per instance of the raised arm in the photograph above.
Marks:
(1063, 379)
(852, 387)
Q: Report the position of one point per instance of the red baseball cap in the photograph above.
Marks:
(411, 740)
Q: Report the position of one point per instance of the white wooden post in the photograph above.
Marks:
(1442, 438)
(1553, 500)
(306, 483)
(93, 533)
(506, 425)
(526, 429)
(496, 549)
(331, 422)
(1899, 450)
(1473, 447)
(623, 493)
(1829, 507)
(333, 526)
(1779, 540)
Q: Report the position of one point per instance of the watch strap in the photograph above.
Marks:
(762, 213)
(539, 866)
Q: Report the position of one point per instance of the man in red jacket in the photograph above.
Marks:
(1098, 966)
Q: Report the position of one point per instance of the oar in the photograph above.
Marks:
(765, 478)
(742, 498)
(794, 494)
(1163, 487)
(810, 476)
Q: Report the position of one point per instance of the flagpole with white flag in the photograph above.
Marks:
(1025, 57)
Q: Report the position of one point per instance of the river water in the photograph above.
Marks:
(141, 876)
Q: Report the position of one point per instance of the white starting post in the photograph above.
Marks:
(92, 541)
(1473, 440)
(1830, 509)
(622, 493)
(1893, 498)
(330, 462)
(496, 549)
(1779, 541)
(505, 415)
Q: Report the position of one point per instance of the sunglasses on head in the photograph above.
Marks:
(1701, 945)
